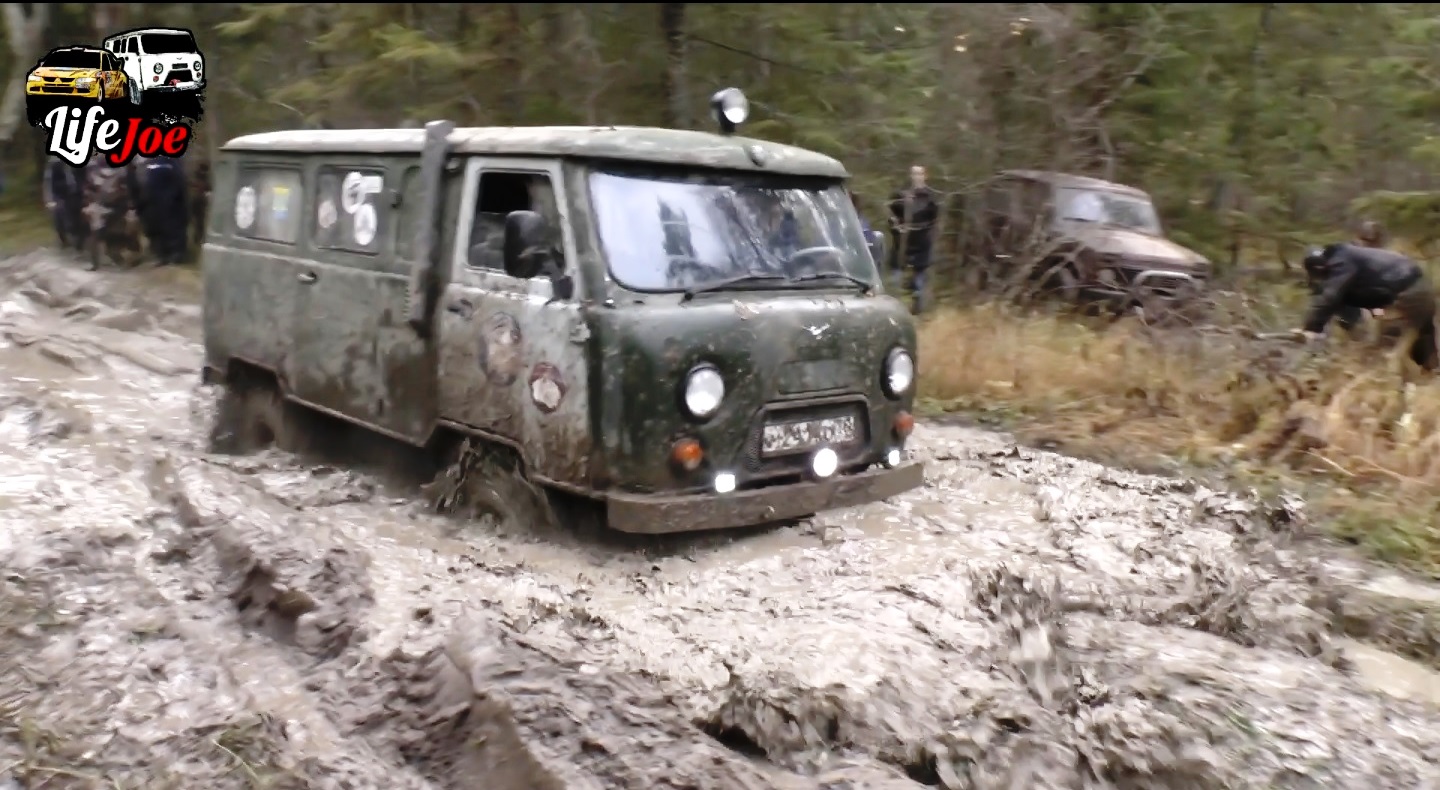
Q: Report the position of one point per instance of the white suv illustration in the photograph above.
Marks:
(160, 60)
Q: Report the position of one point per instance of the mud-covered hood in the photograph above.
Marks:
(1129, 244)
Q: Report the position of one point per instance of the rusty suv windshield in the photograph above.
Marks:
(663, 233)
(1109, 208)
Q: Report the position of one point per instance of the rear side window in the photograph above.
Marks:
(267, 204)
(350, 209)
(410, 213)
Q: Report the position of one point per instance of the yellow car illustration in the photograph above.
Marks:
(73, 76)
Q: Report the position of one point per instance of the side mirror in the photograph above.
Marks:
(527, 244)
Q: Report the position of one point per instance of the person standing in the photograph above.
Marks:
(199, 190)
(60, 188)
(165, 212)
(914, 211)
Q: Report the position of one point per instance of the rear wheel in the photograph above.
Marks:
(253, 414)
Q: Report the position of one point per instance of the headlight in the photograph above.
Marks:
(704, 390)
(84, 83)
(899, 372)
(198, 66)
(159, 68)
(34, 78)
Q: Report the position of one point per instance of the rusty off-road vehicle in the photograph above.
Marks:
(678, 330)
(1081, 239)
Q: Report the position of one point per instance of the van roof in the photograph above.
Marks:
(147, 30)
(627, 143)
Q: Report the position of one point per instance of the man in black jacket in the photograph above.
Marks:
(913, 214)
(1352, 276)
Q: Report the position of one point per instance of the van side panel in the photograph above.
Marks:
(353, 353)
(249, 284)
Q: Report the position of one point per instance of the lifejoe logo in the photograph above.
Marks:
(140, 93)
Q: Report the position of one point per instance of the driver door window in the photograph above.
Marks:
(499, 194)
(492, 188)
(1000, 212)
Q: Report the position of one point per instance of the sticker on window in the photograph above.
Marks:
(365, 225)
(245, 208)
(280, 203)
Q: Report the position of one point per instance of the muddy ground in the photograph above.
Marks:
(175, 619)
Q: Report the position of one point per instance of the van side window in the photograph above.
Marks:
(410, 212)
(500, 194)
(350, 208)
(267, 204)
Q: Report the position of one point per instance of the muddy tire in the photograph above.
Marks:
(485, 480)
(252, 415)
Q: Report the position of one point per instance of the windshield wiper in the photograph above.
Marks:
(865, 285)
(730, 282)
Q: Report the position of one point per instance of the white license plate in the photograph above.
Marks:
(784, 437)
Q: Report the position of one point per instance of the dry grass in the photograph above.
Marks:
(1338, 420)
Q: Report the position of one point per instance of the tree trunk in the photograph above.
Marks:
(672, 24)
(24, 32)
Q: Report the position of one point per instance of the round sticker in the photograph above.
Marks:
(365, 225)
(327, 216)
(352, 192)
(245, 208)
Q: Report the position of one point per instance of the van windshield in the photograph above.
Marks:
(675, 233)
(167, 43)
(72, 59)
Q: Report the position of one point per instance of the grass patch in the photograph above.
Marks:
(24, 229)
(1337, 422)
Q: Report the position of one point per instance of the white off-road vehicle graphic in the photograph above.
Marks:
(160, 61)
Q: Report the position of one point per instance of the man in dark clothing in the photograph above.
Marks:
(108, 214)
(61, 186)
(199, 190)
(164, 210)
(1352, 276)
(913, 213)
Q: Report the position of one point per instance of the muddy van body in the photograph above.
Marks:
(684, 329)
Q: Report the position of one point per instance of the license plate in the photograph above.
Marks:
(784, 437)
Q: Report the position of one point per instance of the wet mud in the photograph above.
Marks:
(172, 618)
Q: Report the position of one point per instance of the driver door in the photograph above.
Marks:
(512, 357)
(129, 54)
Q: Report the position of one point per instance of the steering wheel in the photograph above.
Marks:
(808, 260)
(685, 263)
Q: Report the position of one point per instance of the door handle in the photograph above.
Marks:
(307, 277)
(461, 307)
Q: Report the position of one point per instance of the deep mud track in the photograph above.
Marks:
(173, 619)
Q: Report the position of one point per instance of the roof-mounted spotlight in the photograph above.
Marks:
(730, 108)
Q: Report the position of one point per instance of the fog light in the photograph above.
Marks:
(724, 483)
(825, 462)
(892, 458)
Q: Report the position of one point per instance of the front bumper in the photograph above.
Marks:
(656, 514)
(183, 87)
(60, 92)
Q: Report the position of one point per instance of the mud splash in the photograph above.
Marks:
(170, 618)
